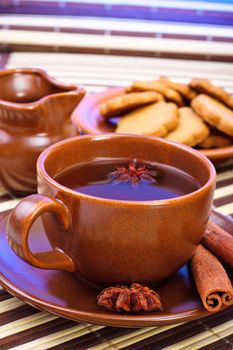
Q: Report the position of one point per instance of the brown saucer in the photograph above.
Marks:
(88, 119)
(61, 294)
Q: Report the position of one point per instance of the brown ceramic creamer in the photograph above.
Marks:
(107, 241)
(34, 113)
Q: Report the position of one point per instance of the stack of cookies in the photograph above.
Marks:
(198, 114)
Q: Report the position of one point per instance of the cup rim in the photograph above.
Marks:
(189, 196)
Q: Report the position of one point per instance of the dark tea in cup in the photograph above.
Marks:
(124, 179)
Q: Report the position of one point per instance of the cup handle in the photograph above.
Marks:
(20, 223)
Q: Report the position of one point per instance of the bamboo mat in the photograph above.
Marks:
(23, 327)
(181, 29)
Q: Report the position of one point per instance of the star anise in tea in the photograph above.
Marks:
(136, 298)
(133, 174)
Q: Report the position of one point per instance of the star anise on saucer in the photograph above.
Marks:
(133, 174)
(136, 298)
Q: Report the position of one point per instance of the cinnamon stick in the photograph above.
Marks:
(212, 282)
(219, 242)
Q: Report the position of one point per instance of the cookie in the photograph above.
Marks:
(206, 87)
(183, 89)
(214, 113)
(216, 140)
(190, 130)
(156, 119)
(121, 104)
(170, 95)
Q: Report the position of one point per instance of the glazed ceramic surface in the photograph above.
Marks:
(108, 242)
(61, 293)
(34, 113)
(88, 119)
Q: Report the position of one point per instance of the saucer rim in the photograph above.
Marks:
(103, 317)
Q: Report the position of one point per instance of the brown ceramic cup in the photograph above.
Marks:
(104, 241)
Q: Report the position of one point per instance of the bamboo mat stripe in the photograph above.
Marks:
(7, 205)
(102, 71)
(196, 341)
(40, 331)
(223, 201)
(203, 5)
(116, 43)
(58, 337)
(10, 304)
(220, 192)
(110, 26)
(25, 323)
(21, 326)
(17, 314)
(184, 11)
